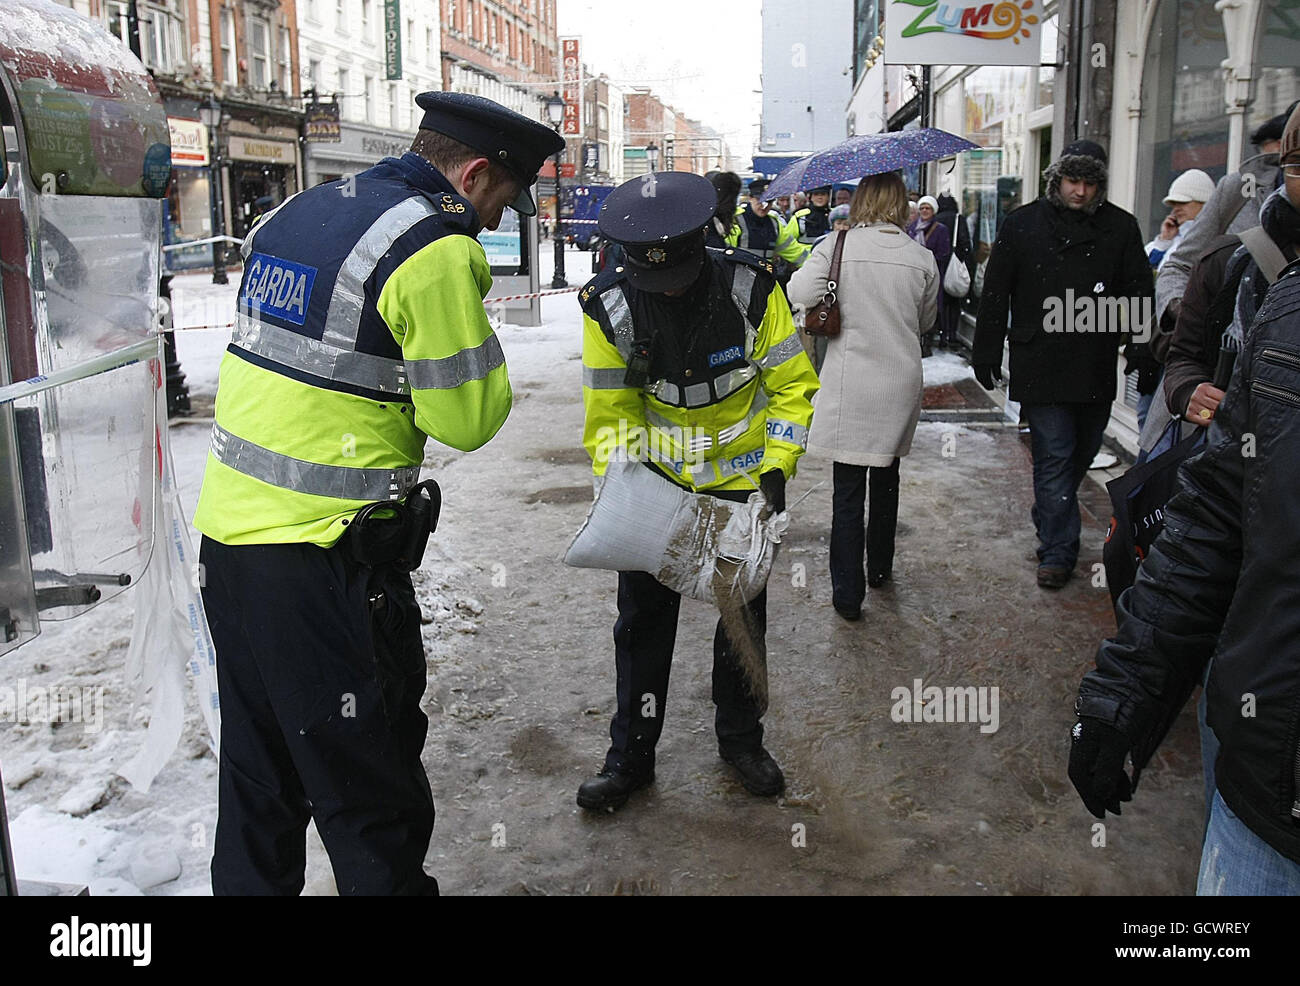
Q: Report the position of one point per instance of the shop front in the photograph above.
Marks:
(187, 209)
(358, 148)
(262, 171)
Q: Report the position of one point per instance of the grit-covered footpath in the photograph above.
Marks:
(521, 688)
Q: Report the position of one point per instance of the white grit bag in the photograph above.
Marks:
(693, 543)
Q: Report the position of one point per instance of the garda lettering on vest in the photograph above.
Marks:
(750, 460)
(725, 356)
(782, 430)
(274, 286)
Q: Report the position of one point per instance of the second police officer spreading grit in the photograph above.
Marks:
(683, 340)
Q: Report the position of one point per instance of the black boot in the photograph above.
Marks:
(758, 771)
(611, 788)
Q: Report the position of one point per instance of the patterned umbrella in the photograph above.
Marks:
(867, 154)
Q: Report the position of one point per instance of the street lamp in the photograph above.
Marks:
(210, 114)
(555, 112)
(652, 155)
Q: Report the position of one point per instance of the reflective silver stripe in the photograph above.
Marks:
(742, 288)
(700, 394)
(620, 319)
(787, 349)
(286, 472)
(450, 372)
(343, 317)
(605, 378)
(319, 358)
(733, 381)
(778, 428)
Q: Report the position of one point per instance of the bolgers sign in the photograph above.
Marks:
(953, 32)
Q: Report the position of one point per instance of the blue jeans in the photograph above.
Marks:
(1144, 406)
(1235, 862)
(1064, 439)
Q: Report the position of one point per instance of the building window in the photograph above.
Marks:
(286, 62)
(313, 73)
(343, 88)
(393, 106)
(370, 99)
(492, 30)
(410, 39)
(313, 14)
(259, 52)
(365, 20)
(451, 14)
(228, 69)
(341, 15)
(469, 19)
(428, 44)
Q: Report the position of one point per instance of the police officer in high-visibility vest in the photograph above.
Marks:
(760, 230)
(813, 221)
(682, 340)
(360, 333)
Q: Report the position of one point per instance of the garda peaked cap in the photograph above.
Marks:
(518, 144)
(659, 219)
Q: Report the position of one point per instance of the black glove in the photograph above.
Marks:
(772, 484)
(1097, 752)
(1137, 356)
(986, 373)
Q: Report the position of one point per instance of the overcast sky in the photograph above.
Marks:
(703, 57)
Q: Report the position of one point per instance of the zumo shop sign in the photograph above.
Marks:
(926, 32)
(393, 39)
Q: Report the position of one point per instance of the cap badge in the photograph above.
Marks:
(656, 255)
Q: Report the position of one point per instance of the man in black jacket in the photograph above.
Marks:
(1054, 270)
(1221, 581)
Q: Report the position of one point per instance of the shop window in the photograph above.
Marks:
(1276, 79)
(1184, 121)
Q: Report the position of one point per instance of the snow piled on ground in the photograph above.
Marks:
(942, 368)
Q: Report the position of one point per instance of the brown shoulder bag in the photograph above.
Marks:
(823, 318)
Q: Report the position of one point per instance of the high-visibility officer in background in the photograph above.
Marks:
(760, 230)
(813, 221)
(683, 342)
(360, 333)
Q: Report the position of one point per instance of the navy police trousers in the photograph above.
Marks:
(320, 668)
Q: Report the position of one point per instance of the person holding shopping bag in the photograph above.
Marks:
(886, 288)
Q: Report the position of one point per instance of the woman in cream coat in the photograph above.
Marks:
(870, 398)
